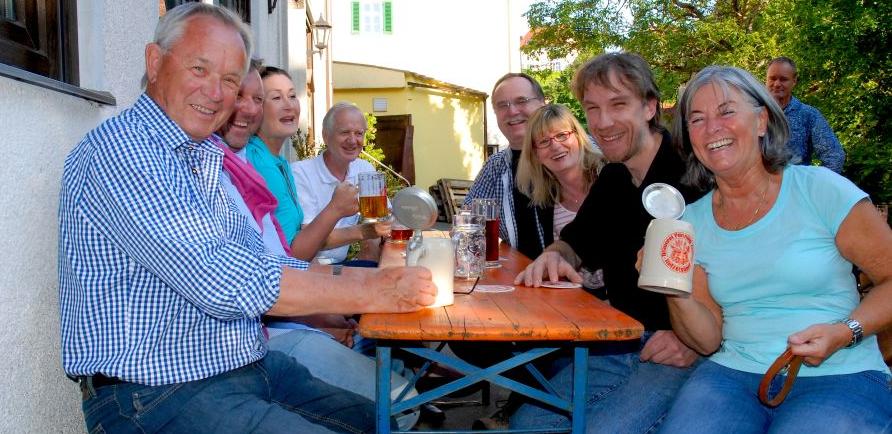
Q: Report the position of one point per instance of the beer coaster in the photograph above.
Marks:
(561, 284)
(494, 288)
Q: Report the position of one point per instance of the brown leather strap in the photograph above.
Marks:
(786, 361)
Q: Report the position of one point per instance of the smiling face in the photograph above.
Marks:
(556, 155)
(521, 101)
(281, 109)
(345, 140)
(617, 119)
(245, 120)
(725, 128)
(196, 81)
(780, 80)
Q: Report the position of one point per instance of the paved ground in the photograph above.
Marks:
(461, 412)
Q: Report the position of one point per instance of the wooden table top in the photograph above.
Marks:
(525, 314)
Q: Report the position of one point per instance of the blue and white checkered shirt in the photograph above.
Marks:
(493, 182)
(161, 279)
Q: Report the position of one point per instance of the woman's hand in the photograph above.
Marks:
(550, 263)
(818, 342)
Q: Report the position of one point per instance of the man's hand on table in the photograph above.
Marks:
(665, 348)
(551, 264)
(400, 289)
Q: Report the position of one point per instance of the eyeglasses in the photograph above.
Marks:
(520, 103)
(560, 137)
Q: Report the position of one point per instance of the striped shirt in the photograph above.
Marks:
(562, 216)
(161, 279)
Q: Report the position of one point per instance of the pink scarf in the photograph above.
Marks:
(252, 188)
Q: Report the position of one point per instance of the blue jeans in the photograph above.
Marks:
(339, 366)
(623, 394)
(719, 399)
(273, 395)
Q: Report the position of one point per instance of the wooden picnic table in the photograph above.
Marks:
(552, 317)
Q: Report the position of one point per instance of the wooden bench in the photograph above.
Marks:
(438, 198)
(454, 192)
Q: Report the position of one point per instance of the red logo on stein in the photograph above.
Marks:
(677, 251)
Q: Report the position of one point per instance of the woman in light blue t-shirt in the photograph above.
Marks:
(281, 111)
(774, 248)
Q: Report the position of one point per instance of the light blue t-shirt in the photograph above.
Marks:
(783, 273)
(276, 171)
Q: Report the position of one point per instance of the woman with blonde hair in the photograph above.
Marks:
(558, 163)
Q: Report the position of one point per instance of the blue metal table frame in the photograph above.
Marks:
(574, 405)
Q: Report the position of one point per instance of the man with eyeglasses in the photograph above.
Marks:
(515, 97)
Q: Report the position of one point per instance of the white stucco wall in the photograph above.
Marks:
(39, 129)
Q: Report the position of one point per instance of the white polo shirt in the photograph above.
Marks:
(315, 187)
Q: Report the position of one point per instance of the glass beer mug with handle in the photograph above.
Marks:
(372, 196)
(470, 245)
(489, 209)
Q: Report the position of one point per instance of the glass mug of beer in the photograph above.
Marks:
(372, 196)
(489, 209)
(399, 233)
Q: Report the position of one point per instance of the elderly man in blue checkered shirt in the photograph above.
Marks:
(162, 281)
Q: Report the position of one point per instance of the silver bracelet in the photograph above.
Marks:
(336, 269)
(856, 328)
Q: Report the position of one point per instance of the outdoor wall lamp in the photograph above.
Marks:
(321, 33)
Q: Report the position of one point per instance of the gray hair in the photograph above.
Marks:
(172, 25)
(788, 61)
(772, 145)
(537, 88)
(329, 119)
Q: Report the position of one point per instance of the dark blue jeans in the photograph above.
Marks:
(273, 395)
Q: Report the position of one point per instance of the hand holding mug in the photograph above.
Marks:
(343, 200)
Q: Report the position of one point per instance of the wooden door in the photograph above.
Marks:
(395, 137)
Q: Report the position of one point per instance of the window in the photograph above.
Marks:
(372, 17)
(40, 36)
(38, 46)
(240, 7)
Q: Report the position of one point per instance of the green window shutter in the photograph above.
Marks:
(355, 7)
(388, 19)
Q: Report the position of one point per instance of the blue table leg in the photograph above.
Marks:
(580, 373)
(382, 388)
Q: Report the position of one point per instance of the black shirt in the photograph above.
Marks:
(530, 220)
(609, 230)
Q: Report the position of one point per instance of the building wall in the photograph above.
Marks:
(448, 137)
(469, 43)
(40, 127)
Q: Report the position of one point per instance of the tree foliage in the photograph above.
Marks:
(843, 49)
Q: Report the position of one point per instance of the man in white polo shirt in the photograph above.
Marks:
(343, 130)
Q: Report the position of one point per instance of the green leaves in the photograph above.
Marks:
(843, 49)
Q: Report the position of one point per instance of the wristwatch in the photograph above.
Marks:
(855, 327)
(336, 269)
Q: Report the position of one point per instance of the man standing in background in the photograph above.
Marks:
(810, 135)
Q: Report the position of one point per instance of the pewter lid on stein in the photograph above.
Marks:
(415, 208)
(663, 201)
